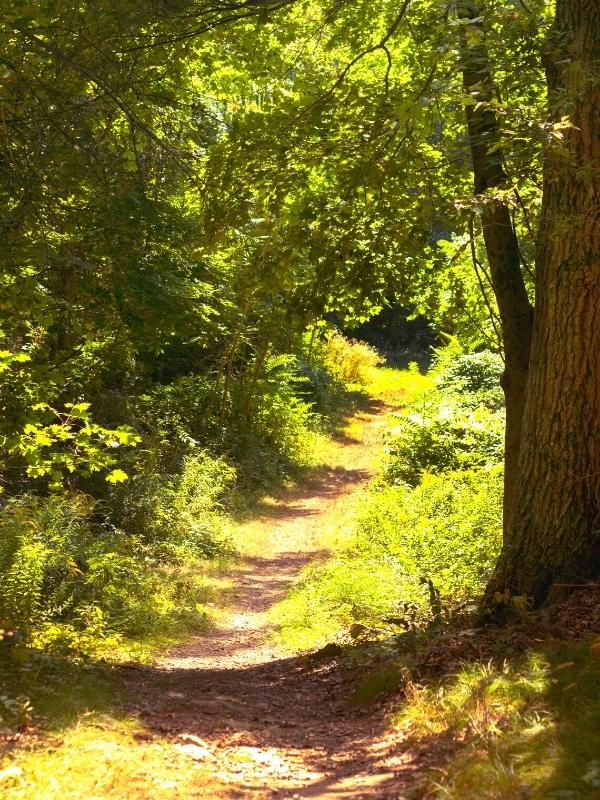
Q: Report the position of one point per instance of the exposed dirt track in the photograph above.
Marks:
(266, 725)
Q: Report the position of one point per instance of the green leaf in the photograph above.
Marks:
(117, 476)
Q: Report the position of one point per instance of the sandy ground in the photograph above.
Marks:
(264, 724)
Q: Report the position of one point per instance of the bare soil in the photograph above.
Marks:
(264, 724)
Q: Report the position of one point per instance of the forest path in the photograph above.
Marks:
(260, 723)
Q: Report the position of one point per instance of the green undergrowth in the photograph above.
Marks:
(504, 714)
(492, 714)
(93, 573)
(421, 541)
(392, 569)
(399, 387)
(526, 727)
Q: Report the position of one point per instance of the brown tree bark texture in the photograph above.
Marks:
(553, 533)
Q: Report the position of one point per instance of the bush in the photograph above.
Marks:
(348, 360)
(271, 434)
(459, 424)
(175, 417)
(447, 530)
(330, 597)
(72, 582)
(180, 516)
(43, 543)
(476, 377)
(317, 387)
(446, 437)
(412, 555)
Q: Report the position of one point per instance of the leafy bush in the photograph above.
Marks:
(447, 530)
(459, 424)
(180, 410)
(330, 597)
(73, 582)
(267, 429)
(412, 554)
(476, 377)
(55, 444)
(42, 543)
(348, 360)
(179, 515)
(318, 387)
(271, 431)
(442, 438)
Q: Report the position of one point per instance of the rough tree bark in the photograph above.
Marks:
(502, 247)
(553, 535)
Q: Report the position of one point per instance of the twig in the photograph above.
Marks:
(477, 265)
(101, 84)
(380, 45)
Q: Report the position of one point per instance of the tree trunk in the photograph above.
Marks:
(502, 247)
(553, 533)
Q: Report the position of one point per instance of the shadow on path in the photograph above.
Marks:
(272, 726)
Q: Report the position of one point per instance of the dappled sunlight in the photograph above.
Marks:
(300, 400)
(234, 714)
(270, 722)
(289, 715)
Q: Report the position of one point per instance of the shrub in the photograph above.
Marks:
(179, 515)
(330, 597)
(459, 424)
(348, 360)
(317, 387)
(271, 430)
(42, 545)
(267, 430)
(476, 377)
(412, 555)
(74, 583)
(447, 530)
(181, 409)
(443, 438)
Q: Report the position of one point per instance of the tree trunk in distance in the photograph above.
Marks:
(501, 245)
(553, 534)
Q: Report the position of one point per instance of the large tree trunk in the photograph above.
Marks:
(502, 247)
(553, 535)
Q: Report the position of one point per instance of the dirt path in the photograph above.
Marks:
(266, 725)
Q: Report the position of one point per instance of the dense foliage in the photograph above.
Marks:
(191, 194)
(424, 538)
(182, 204)
(122, 569)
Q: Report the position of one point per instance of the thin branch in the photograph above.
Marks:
(477, 265)
(216, 22)
(380, 45)
(101, 84)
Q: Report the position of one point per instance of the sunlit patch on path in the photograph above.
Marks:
(264, 724)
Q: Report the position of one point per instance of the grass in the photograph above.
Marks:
(525, 728)
(395, 386)
(511, 726)
(103, 757)
(66, 725)
(303, 618)
(206, 584)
